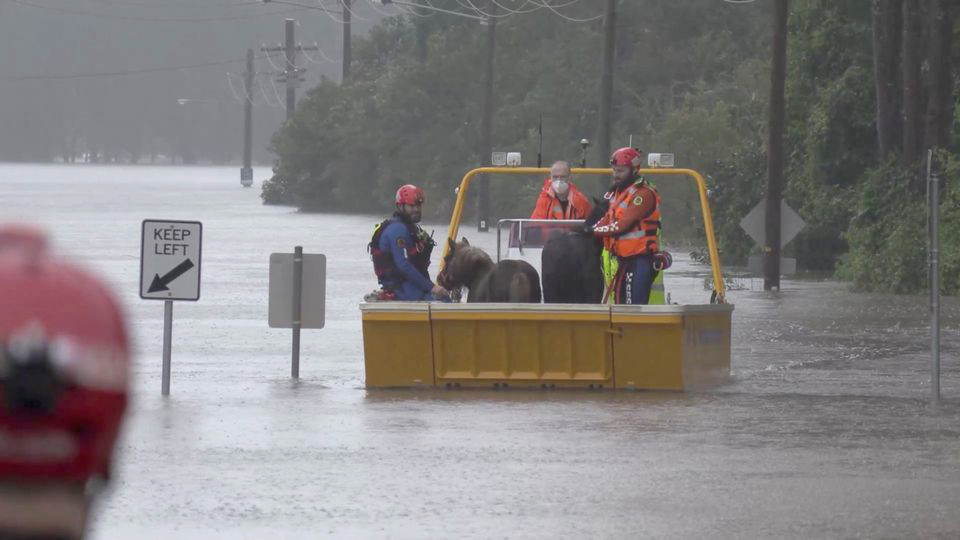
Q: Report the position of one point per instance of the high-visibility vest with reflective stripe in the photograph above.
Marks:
(644, 237)
(556, 210)
(658, 295)
(610, 265)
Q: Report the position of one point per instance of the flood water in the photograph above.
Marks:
(824, 432)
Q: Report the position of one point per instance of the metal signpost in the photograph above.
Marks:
(297, 296)
(169, 270)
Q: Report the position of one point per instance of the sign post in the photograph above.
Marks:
(169, 270)
(297, 295)
(167, 338)
(296, 298)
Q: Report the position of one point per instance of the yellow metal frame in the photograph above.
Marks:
(718, 284)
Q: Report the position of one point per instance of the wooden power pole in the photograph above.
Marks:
(346, 41)
(778, 71)
(486, 128)
(606, 82)
(246, 173)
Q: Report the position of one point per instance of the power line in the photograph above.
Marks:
(72, 11)
(469, 5)
(165, 4)
(373, 4)
(552, 8)
(236, 96)
(520, 11)
(439, 10)
(266, 99)
(353, 13)
(26, 78)
(319, 50)
(321, 7)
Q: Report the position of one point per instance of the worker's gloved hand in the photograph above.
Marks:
(582, 228)
(440, 292)
(662, 260)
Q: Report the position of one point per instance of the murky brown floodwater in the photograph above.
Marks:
(825, 431)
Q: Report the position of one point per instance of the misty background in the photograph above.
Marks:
(100, 80)
(869, 88)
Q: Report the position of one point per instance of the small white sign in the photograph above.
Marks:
(313, 291)
(656, 160)
(170, 260)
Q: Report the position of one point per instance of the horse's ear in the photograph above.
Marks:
(465, 241)
(451, 244)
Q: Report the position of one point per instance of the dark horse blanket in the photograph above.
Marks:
(570, 263)
(505, 281)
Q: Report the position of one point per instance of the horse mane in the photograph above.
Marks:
(465, 263)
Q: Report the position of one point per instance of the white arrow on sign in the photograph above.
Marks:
(754, 223)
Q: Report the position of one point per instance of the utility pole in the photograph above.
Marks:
(346, 41)
(246, 173)
(486, 128)
(606, 81)
(778, 70)
(291, 75)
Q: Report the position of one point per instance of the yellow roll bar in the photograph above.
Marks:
(718, 285)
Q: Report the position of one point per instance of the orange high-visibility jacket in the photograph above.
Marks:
(632, 222)
(549, 207)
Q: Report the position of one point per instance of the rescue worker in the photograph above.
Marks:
(560, 198)
(401, 250)
(630, 232)
(64, 378)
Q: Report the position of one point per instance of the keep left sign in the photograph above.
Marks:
(170, 260)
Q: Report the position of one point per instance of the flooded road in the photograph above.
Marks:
(824, 432)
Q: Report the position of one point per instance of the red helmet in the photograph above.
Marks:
(64, 365)
(409, 194)
(626, 156)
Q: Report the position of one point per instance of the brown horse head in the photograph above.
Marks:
(462, 265)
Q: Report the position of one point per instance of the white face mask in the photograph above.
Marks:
(560, 187)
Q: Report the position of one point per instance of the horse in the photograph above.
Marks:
(570, 262)
(505, 281)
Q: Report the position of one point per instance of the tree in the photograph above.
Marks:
(938, 75)
(910, 63)
(886, 55)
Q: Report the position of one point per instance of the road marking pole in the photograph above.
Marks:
(167, 340)
(297, 292)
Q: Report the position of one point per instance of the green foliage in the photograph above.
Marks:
(734, 190)
(401, 120)
(888, 237)
(692, 79)
(830, 123)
